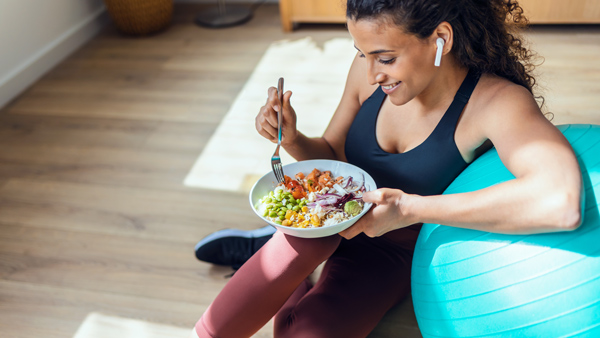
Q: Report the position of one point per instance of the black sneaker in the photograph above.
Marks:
(232, 247)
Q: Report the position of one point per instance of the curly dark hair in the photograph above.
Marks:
(486, 32)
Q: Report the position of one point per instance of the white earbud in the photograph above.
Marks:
(438, 54)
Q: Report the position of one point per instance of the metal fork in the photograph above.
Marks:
(275, 159)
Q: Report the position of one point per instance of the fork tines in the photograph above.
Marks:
(277, 169)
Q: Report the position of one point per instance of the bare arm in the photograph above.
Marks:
(545, 195)
(546, 192)
(301, 147)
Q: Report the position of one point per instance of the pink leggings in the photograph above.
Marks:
(362, 279)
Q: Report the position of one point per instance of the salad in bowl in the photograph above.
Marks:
(319, 197)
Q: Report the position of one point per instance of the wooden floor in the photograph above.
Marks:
(93, 213)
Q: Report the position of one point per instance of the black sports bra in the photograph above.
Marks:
(427, 169)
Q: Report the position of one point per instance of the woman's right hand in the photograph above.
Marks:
(266, 120)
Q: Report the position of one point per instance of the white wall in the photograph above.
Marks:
(35, 35)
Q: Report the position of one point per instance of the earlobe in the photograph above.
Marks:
(438, 54)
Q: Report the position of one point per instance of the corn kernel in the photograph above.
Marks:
(305, 209)
(285, 222)
(314, 219)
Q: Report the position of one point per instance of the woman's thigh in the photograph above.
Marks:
(360, 282)
(261, 286)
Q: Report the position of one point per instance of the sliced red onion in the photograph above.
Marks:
(359, 187)
(349, 182)
(328, 201)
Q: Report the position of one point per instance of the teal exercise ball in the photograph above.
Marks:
(469, 283)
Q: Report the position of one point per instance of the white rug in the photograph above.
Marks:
(97, 325)
(236, 155)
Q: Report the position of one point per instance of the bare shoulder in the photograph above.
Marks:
(497, 93)
(499, 103)
(504, 114)
(510, 118)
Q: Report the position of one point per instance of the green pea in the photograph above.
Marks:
(282, 217)
(265, 213)
(290, 206)
(278, 222)
(281, 213)
(296, 208)
(273, 214)
(268, 200)
(292, 199)
(278, 205)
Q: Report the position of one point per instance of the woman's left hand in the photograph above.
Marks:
(388, 213)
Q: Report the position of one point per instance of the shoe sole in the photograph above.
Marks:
(264, 231)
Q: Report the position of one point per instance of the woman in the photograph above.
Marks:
(414, 122)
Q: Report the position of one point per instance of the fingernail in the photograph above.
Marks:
(276, 108)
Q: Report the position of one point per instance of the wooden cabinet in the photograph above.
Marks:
(561, 11)
(538, 11)
(312, 11)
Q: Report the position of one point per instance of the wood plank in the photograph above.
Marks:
(183, 215)
(184, 138)
(118, 105)
(37, 310)
(116, 264)
(117, 166)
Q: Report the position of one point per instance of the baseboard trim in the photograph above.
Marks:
(34, 67)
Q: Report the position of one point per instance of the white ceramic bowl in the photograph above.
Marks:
(268, 182)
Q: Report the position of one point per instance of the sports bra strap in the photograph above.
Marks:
(461, 98)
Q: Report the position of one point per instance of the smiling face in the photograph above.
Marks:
(401, 63)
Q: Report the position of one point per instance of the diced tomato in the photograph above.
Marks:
(298, 192)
